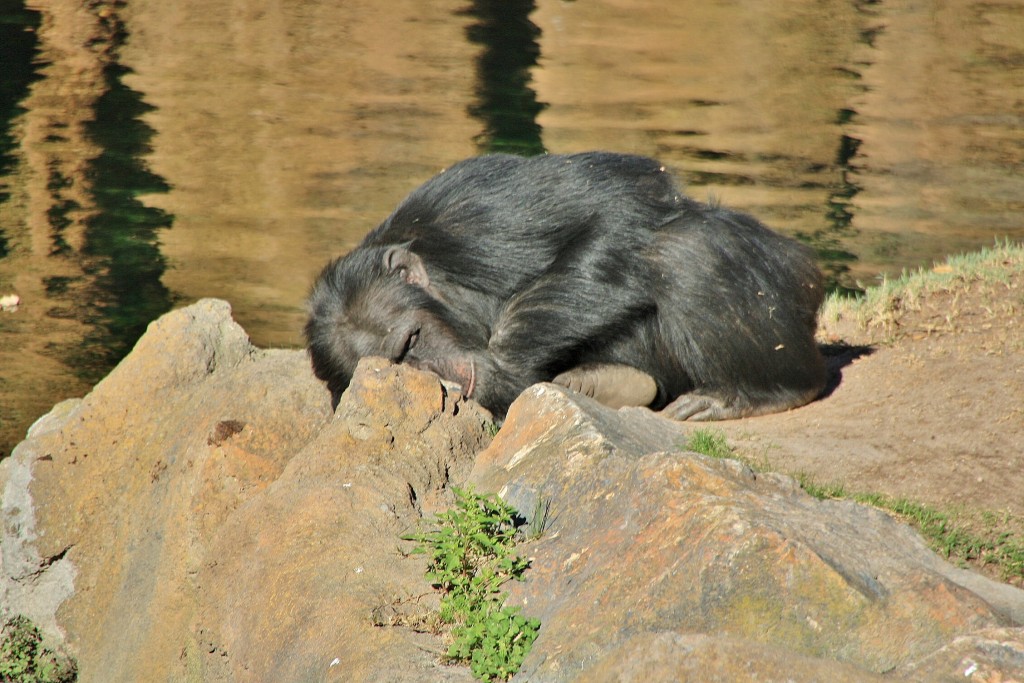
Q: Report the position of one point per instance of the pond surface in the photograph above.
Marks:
(154, 153)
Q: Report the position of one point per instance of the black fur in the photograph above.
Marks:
(505, 271)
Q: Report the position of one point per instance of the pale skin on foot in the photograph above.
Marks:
(615, 386)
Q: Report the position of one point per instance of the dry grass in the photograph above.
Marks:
(926, 301)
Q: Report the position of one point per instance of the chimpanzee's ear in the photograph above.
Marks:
(399, 259)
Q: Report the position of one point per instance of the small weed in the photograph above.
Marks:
(820, 491)
(23, 659)
(710, 443)
(471, 557)
(983, 542)
(539, 522)
(713, 444)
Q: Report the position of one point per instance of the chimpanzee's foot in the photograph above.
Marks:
(699, 407)
(615, 386)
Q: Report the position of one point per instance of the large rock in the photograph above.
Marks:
(203, 516)
(648, 546)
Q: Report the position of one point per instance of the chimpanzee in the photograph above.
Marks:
(589, 270)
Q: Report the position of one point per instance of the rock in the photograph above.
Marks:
(9, 302)
(644, 538)
(672, 657)
(293, 576)
(202, 515)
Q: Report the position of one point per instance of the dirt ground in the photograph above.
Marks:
(927, 399)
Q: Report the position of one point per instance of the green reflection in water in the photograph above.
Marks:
(122, 238)
(506, 104)
(119, 290)
(17, 56)
(833, 257)
(122, 263)
(828, 243)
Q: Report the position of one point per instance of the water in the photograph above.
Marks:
(155, 153)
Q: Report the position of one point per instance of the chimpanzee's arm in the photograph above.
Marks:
(550, 326)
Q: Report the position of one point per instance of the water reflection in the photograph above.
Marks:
(78, 247)
(829, 242)
(506, 104)
(885, 135)
(121, 237)
(18, 27)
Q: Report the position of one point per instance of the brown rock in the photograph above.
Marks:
(670, 657)
(293, 576)
(648, 542)
(201, 512)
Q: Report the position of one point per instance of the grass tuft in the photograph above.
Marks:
(710, 443)
(986, 540)
(881, 306)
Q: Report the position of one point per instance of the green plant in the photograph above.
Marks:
(820, 491)
(539, 521)
(709, 442)
(983, 542)
(471, 557)
(23, 659)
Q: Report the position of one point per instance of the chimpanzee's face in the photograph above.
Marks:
(358, 309)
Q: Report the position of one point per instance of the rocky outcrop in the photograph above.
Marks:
(201, 515)
(649, 546)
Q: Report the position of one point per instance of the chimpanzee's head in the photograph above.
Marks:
(378, 301)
